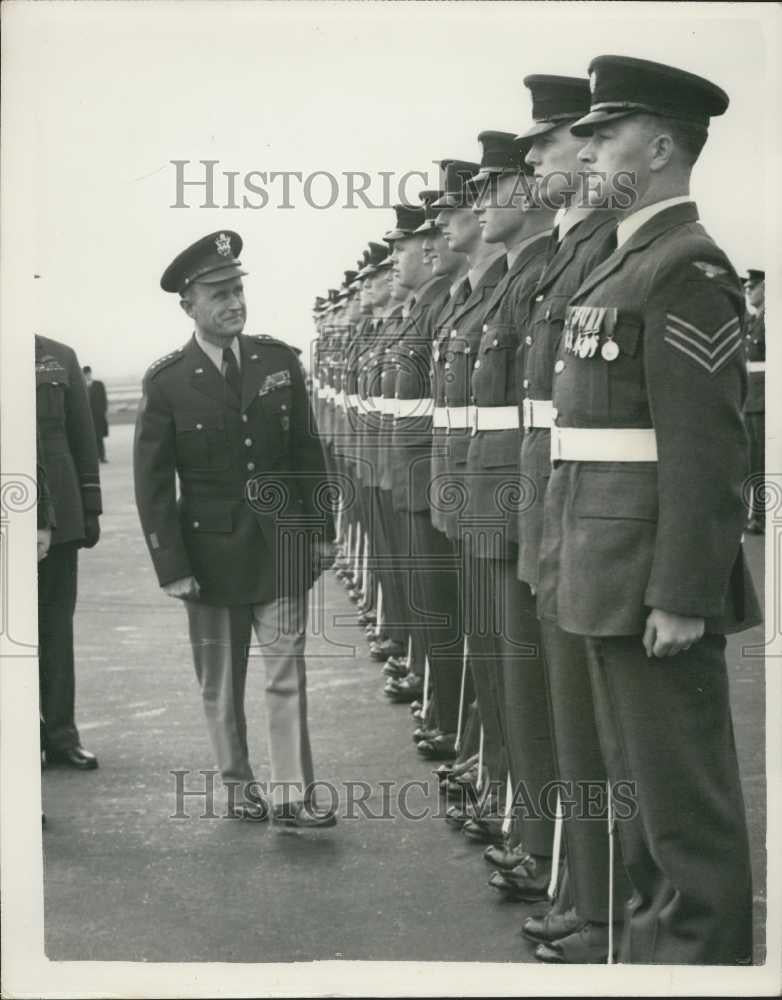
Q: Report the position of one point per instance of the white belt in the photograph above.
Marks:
(460, 418)
(537, 413)
(756, 366)
(440, 416)
(339, 399)
(352, 399)
(496, 418)
(327, 392)
(386, 406)
(603, 444)
(414, 407)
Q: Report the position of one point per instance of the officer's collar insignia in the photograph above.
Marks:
(199, 371)
(223, 244)
(710, 270)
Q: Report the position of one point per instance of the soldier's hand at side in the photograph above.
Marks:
(44, 541)
(91, 531)
(185, 589)
(667, 634)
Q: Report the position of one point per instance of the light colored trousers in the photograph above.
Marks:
(220, 637)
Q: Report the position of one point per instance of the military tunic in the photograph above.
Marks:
(68, 453)
(658, 524)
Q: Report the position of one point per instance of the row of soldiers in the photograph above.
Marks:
(533, 402)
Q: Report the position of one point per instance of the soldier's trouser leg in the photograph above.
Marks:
(390, 576)
(756, 430)
(524, 710)
(580, 766)
(220, 637)
(436, 595)
(280, 628)
(665, 725)
(57, 582)
(482, 627)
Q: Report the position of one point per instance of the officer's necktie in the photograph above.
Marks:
(463, 292)
(231, 371)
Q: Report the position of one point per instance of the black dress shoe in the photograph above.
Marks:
(503, 856)
(395, 667)
(586, 946)
(527, 882)
(484, 830)
(424, 733)
(551, 926)
(76, 757)
(405, 690)
(441, 746)
(301, 816)
(382, 650)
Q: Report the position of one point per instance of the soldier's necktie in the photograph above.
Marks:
(231, 372)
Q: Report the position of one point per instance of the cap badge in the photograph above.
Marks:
(592, 82)
(223, 244)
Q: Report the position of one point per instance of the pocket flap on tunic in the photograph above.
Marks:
(619, 494)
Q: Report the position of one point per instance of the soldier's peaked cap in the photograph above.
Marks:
(211, 259)
(503, 153)
(408, 219)
(458, 192)
(555, 100)
(621, 86)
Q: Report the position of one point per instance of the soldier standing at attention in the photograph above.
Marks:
(509, 218)
(457, 336)
(228, 415)
(583, 236)
(69, 456)
(643, 516)
(755, 408)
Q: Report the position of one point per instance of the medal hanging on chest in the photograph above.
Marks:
(609, 350)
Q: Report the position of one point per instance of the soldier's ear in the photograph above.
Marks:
(662, 149)
(186, 306)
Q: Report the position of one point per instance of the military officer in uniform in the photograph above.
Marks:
(755, 408)
(643, 517)
(509, 218)
(228, 415)
(69, 455)
(458, 330)
(583, 236)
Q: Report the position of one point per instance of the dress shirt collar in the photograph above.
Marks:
(632, 223)
(215, 353)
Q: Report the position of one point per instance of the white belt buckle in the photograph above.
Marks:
(526, 410)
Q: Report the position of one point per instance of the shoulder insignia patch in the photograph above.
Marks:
(164, 362)
(710, 349)
(709, 269)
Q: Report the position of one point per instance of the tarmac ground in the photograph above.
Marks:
(127, 877)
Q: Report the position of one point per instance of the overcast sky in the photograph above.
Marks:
(114, 92)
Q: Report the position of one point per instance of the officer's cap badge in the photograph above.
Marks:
(592, 82)
(223, 244)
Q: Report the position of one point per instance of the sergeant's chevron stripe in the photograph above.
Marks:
(710, 350)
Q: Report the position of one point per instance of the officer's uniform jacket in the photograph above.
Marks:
(385, 386)
(495, 494)
(755, 348)
(250, 473)
(68, 450)
(368, 388)
(459, 329)
(339, 425)
(411, 443)
(623, 537)
(583, 247)
(44, 506)
(355, 414)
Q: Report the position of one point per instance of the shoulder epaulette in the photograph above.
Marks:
(157, 366)
(264, 338)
